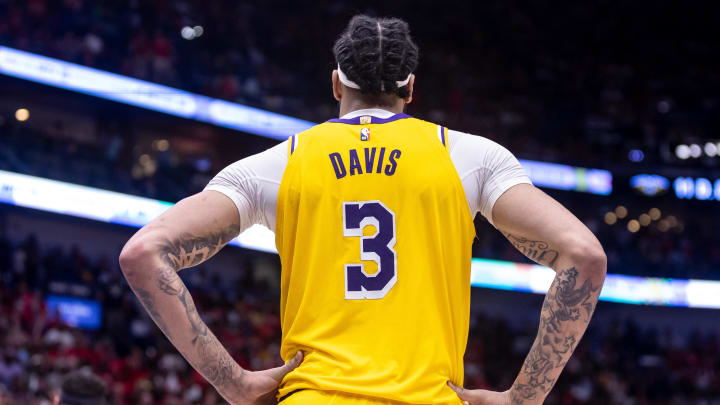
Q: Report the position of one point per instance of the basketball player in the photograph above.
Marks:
(81, 388)
(373, 216)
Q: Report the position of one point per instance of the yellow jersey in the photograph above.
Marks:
(374, 234)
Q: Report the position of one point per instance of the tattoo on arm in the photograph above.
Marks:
(188, 250)
(169, 282)
(149, 302)
(565, 303)
(214, 362)
(536, 250)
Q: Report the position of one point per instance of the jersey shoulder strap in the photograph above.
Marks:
(292, 144)
(441, 131)
(443, 136)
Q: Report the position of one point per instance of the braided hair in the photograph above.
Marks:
(375, 53)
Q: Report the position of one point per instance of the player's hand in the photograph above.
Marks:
(481, 397)
(260, 387)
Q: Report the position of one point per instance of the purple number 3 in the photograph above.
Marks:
(378, 248)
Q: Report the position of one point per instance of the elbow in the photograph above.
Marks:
(589, 257)
(135, 255)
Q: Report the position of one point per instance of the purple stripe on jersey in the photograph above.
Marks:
(373, 120)
(442, 133)
(292, 144)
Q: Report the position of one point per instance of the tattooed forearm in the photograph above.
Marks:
(536, 250)
(217, 365)
(149, 302)
(565, 313)
(188, 250)
(169, 282)
(200, 330)
(150, 264)
(215, 362)
(210, 357)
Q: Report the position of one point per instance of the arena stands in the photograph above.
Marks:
(618, 363)
(494, 68)
(581, 84)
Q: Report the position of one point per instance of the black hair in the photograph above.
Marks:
(375, 53)
(83, 388)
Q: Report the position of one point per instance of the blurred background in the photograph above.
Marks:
(111, 110)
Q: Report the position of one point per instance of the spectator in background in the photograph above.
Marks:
(9, 368)
(5, 398)
(81, 388)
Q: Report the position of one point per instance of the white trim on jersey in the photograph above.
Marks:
(295, 142)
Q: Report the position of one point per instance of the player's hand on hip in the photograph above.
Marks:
(260, 387)
(481, 397)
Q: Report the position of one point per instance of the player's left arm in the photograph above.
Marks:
(187, 234)
(546, 232)
(541, 228)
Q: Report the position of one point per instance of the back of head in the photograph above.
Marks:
(83, 388)
(376, 54)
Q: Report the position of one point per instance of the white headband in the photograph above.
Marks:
(344, 80)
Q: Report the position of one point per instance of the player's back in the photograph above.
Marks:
(375, 235)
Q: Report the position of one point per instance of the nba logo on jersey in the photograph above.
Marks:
(364, 134)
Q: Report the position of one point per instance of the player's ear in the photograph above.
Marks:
(336, 85)
(410, 85)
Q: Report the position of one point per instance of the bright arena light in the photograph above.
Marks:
(163, 145)
(636, 155)
(655, 213)
(22, 114)
(621, 211)
(711, 149)
(187, 33)
(682, 152)
(610, 218)
(695, 150)
(644, 219)
(198, 30)
(139, 93)
(633, 226)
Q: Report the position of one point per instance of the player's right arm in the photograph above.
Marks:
(187, 234)
(546, 232)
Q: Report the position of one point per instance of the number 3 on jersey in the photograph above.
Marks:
(378, 248)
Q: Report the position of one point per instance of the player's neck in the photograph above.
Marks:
(348, 106)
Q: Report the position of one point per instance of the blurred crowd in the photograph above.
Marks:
(102, 164)
(579, 83)
(582, 81)
(616, 364)
(140, 366)
(690, 249)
